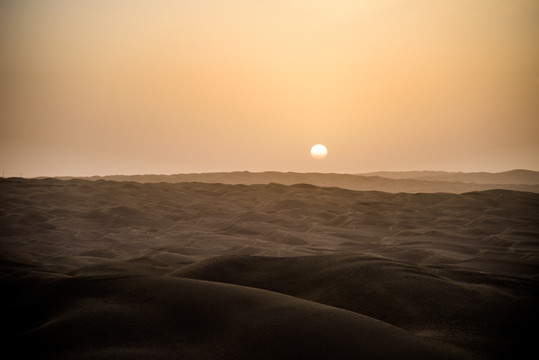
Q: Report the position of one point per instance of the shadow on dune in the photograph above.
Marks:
(436, 302)
(174, 318)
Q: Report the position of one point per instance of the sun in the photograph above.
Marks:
(319, 151)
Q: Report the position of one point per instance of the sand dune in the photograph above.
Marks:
(192, 221)
(523, 177)
(419, 181)
(107, 269)
(171, 318)
(434, 302)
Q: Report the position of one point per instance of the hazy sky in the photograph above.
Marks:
(95, 87)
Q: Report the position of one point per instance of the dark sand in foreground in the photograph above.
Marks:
(107, 270)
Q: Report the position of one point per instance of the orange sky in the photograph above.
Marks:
(95, 87)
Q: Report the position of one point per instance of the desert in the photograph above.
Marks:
(269, 179)
(102, 269)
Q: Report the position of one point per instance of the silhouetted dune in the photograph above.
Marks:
(523, 177)
(413, 182)
(434, 302)
(107, 269)
(171, 318)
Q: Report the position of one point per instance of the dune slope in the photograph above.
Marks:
(170, 318)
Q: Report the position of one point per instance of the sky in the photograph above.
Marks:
(102, 87)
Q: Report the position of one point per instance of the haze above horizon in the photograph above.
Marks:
(162, 87)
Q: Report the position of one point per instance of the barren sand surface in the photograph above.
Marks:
(190, 270)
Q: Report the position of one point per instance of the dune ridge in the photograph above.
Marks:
(191, 270)
(517, 176)
(423, 181)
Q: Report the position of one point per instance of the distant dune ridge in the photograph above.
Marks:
(407, 181)
(198, 270)
(521, 177)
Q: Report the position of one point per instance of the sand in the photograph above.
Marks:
(188, 270)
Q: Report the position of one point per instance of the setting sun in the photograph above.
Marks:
(319, 151)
